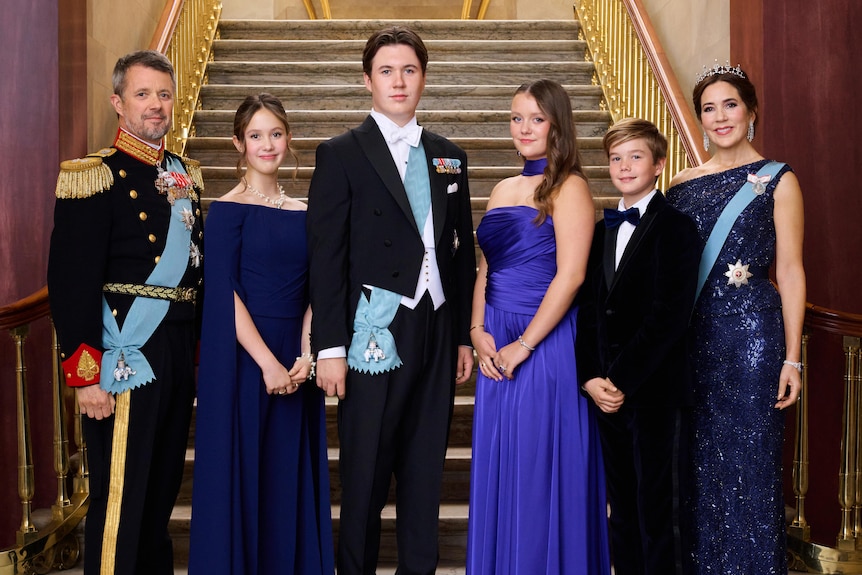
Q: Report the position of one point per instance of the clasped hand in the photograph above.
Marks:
(496, 364)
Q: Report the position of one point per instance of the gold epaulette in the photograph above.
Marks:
(85, 177)
(194, 169)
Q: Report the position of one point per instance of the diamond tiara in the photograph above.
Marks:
(719, 69)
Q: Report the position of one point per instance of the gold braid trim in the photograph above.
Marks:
(175, 294)
(193, 167)
(116, 482)
(83, 178)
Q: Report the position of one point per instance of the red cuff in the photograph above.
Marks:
(83, 367)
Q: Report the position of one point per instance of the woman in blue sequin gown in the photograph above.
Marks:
(260, 500)
(747, 344)
(537, 495)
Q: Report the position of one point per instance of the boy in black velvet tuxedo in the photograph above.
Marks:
(635, 307)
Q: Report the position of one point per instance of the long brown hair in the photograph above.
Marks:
(246, 111)
(564, 158)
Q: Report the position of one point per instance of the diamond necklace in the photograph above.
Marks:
(277, 203)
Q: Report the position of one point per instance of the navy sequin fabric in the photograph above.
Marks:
(732, 509)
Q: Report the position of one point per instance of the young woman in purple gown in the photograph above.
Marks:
(747, 338)
(537, 495)
(261, 484)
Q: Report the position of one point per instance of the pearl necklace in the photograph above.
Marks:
(277, 203)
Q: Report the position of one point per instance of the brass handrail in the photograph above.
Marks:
(54, 545)
(846, 556)
(185, 34)
(636, 78)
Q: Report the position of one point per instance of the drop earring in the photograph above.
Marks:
(750, 130)
(705, 142)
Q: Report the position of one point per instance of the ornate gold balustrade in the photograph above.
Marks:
(55, 545)
(185, 35)
(846, 556)
(636, 78)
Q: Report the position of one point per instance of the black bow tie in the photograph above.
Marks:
(613, 218)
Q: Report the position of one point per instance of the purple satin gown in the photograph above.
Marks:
(537, 491)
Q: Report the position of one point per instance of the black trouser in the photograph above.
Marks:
(637, 445)
(398, 423)
(152, 453)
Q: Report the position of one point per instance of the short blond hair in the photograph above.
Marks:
(633, 128)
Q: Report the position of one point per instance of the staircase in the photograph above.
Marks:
(314, 67)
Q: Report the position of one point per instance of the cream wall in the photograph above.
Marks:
(113, 29)
(693, 33)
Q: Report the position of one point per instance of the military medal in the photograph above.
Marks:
(188, 218)
(759, 182)
(174, 185)
(123, 371)
(738, 274)
(373, 352)
(447, 165)
(195, 255)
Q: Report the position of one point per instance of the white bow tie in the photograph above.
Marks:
(409, 134)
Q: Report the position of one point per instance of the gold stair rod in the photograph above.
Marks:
(799, 527)
(26, 483)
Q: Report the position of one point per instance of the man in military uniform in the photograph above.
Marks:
(123, 276)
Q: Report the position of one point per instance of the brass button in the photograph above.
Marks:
(133, 194)
(62, 355)
(68, 376)
(152, 238)
(198, 212)
(143, 216)
(200, 235)
(157, 258)
(122, 173)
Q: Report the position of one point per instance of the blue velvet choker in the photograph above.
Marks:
(534, 167)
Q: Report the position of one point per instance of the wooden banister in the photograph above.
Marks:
(683, 118)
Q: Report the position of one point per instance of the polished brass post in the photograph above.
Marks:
(856, 374)
(61, 443)
(81, 479)
(799, 527)
(26, 483)
(846, 540)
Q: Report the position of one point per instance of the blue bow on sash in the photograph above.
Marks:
(145, 314)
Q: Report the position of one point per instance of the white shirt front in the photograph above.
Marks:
(429, 274)
(624, 234)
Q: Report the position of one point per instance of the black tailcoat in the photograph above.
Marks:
(362, 231)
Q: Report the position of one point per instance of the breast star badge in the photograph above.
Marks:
(738, 274)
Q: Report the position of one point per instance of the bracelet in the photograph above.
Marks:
(477, 325)
(310, 357)
(796, 364)
(524, 344)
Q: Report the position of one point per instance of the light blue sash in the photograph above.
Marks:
(145, 314)
(725, 222)
(372, 349)
(418, 185)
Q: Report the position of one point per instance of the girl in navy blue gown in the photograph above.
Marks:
(537, 495)
(261, 484)
(747, 339)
